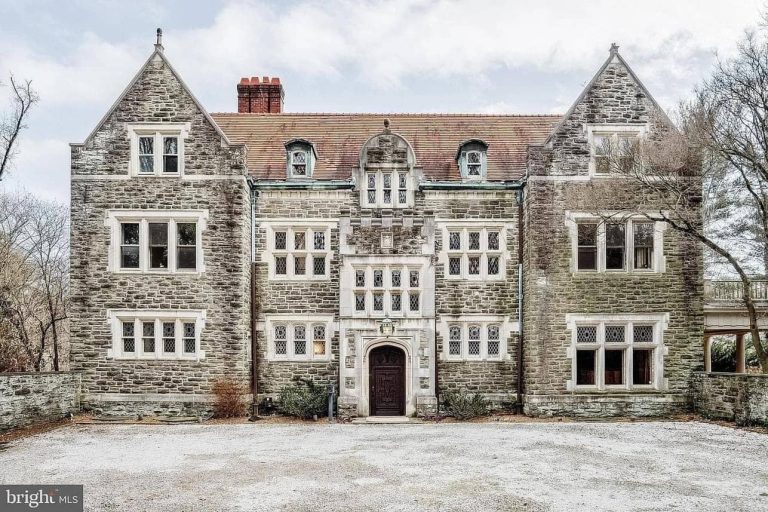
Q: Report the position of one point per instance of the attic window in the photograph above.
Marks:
(301, 158)
(157, 149)
(472, 160)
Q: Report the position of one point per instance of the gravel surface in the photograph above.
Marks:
(528, 466)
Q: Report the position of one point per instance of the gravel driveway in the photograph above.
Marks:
(484, 467)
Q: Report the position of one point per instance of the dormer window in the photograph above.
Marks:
(301, 158)
(472, 160)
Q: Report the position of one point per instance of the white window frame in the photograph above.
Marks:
(387, 290)
(117, 317)
(114, 219)
(659, 322)
(446, 253)
(394, 188)
(658, 262)
(464, 165)
(613, 131)
(158, 131)
(506, 329)
(290, 321)
(309, 252)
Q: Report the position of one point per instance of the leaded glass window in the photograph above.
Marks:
(586, 334)
(189, 337)
(129, 339)
(169, 336)
(473, 340)
(281, 340)
(454, 340)
(299, 340)
(493, 340)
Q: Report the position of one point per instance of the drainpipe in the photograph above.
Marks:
(520, 290)
(254, 316)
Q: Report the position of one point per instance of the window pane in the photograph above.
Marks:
(473, 345)
(643, 239)
(396, 302)
(129, 257)
(280, 238)
(378, 302)
(614, 367)
(186, 258)
(402, 183)
(396, 279)
(318, 263)
(474, 265)
(371, 196)
(146, 154)
(319, 240)
(493, 241)
(454, 241)
(585, 367)
(148, 336)
(299, 240)
(378, 278)
(146, 145)
(189, 337)
(187, 233)
(587, 241)
(371, 181)
(360, 278)
(158, 245)
(414, 278)
(171, 146)
(281, 344)
(414, 301)
(454, 340)
(280, 265)
(587, 258)
(615, 242)
(586, 334)
(587, 234)
(642, 333)
(614, 334)
(493, 340)
(402, 197)
(299, 265)
(359, 302)
(169, 337)
(130, 234)
(129, 341)
(170, 163)
(493, 265)
(299, 340)
(474, 241)
(641, 366)
(454, 266)
(318, 337)
(387, 180)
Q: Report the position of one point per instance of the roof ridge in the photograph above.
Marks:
(361, 114)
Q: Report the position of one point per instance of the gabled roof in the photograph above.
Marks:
(614, 55)
(339, 138)
(157, 53)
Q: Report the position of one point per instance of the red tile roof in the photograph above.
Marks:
(338, 139)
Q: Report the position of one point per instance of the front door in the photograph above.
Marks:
(387, 381)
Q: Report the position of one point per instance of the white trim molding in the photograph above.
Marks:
(115, 218)
(506, 328)
(625, 337)
(149, 330)
(658, 260)
(290, 324)
(157, 131)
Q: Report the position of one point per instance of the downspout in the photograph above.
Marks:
(254, 316)
(520, 290)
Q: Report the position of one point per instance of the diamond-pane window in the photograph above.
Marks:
(413, 297)
(299, 265)
(493, 265)
(454, 241)
(281, 341)
(318, 339)
(378, 302)
(169, 337)
(318, 264)
(414, 278)
(299, 163)
(299, 340)
(371, 196)
(586, 334)
(402, 196)
(299, 240)
(371, 181)
(493, 340)
(454, 266)
(359, 302)
(360, 278)
(474, 241)
(642, 333)
(473, 345)
(378, 278)
(281, 267)
(474, 265)
(280, 238)
(148, 336)
(396, 302)
(614, 334)
(189, 337)
(129, 341)
(396, 279)
(454, 340)
(493, 240)
(319, 240)
(474, 163)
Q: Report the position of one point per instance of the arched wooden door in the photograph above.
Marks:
(387, 381)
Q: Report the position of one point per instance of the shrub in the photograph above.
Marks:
(462, 405)
(229, 400)
(304, 399)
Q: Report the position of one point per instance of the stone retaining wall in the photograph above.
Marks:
(731, 396)
(27, 398)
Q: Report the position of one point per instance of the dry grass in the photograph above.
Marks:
(230, 399)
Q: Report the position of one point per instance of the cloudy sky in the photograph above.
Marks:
(346, 56)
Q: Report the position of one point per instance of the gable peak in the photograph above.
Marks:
(159, 40)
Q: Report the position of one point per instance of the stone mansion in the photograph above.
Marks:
(393, 256)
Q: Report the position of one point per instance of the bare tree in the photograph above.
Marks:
(707, 178)
(23, 98)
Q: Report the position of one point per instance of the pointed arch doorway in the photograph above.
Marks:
(386, 381)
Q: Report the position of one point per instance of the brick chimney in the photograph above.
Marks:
(263, 96)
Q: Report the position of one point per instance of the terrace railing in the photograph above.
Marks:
(731, 290)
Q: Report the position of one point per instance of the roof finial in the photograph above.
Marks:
(159, 43)
(614, 48)
(386, 125)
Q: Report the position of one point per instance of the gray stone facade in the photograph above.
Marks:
(730, 396)
(28, 398)
(253, 212)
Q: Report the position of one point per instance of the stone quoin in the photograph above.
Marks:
(396, 257)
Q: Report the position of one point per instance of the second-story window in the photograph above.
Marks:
(628, 245)
(387, 290)
(386, 189)
(299, 252)
(473, 253)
